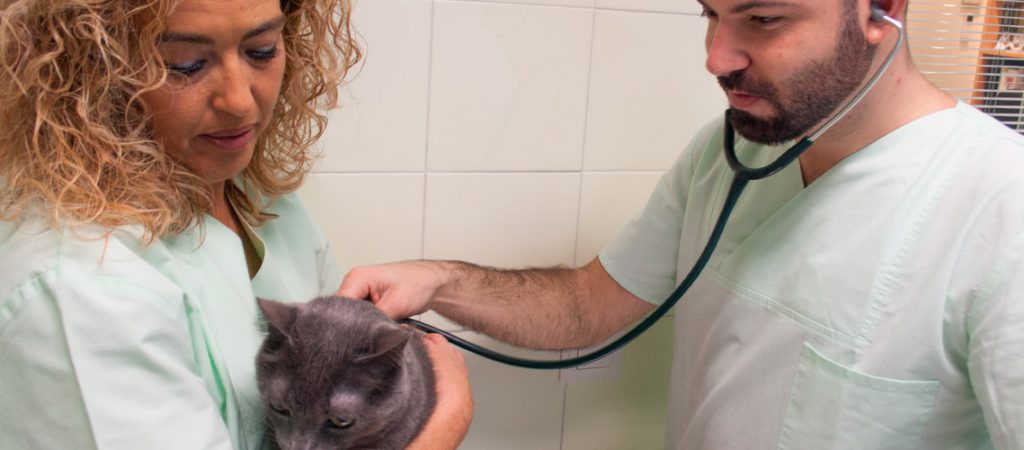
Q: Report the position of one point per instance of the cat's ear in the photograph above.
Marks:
(280, 316)
(389, 342)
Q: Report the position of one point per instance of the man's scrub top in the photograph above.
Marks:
(109, 344)
(880, 307)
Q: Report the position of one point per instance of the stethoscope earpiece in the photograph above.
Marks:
(877, 13)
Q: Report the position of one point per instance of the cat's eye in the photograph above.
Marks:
(340, 423)
(280, 409)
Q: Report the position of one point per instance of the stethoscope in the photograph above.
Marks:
(744, 175)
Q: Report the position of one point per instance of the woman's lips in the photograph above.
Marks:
(230, 139)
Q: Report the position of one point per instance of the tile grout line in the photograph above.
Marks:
(579, 203)
(426, 135)
(583, 142)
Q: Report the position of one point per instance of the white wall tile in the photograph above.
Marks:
(576, 3)
(607, 203)
(627, 413)
(505, 220)
(508, 87)
(381, 124)
(515, 409)
(672, 6)
(649, 92)
(501, 220)
(368, 218)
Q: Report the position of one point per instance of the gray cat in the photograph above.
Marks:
(337, 373)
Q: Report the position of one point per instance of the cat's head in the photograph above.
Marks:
(328, 372)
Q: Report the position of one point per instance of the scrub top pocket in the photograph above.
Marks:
(835, 407)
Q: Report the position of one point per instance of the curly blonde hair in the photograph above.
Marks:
(75, 142)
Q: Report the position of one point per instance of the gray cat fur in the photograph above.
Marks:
(346, 352)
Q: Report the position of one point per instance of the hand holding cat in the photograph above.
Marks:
(448, 425)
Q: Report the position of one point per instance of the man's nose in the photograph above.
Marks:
(725, 55)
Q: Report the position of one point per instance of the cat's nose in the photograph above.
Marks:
(304, 443)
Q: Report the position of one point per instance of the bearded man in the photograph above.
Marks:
(870, 296)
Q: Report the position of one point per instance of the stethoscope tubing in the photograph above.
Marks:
(744, 175)
(738, 183)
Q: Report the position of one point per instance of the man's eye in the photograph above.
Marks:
(704, 12)
(765, 20)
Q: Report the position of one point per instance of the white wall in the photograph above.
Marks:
(518, 133)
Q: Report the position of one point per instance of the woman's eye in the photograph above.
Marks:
(278, 409)
(340, 423)
(264, 54)
(187, 69)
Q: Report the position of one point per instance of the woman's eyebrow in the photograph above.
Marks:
(269, 25)
(195, 38)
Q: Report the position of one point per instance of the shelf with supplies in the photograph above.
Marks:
(999, 80)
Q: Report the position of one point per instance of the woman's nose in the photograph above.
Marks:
(234, 94)
(725, 55)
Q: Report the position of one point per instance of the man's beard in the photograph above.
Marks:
(813, 93)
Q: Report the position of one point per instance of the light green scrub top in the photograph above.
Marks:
(112, 345)
(880, 307)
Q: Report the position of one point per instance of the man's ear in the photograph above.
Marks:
(878, 29)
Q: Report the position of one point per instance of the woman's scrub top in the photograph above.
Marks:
(111, 344)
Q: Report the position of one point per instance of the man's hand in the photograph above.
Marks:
(400, 290)
(449, 423)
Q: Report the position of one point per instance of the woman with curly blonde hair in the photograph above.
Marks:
(148, 156)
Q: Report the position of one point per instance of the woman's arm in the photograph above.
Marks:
(101, 363)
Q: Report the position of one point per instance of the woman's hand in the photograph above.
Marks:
(449, 423)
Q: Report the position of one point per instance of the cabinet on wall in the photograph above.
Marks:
(999, 80)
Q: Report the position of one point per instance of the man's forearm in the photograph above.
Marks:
(537, 308)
